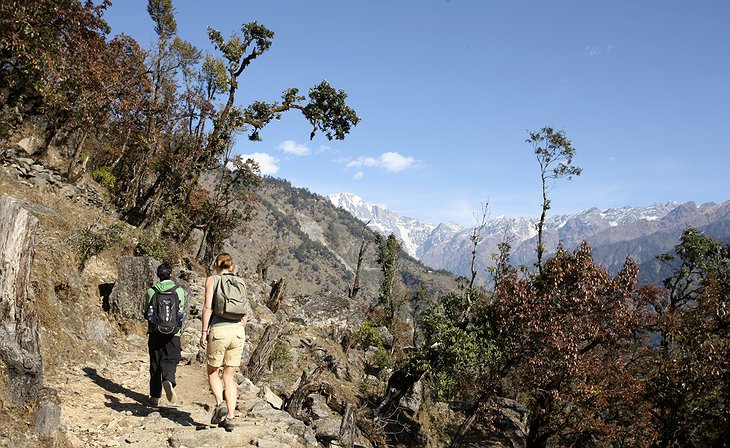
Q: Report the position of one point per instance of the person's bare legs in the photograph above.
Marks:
(231, 389)
(216, 385)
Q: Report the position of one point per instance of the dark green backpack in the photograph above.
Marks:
(230, 298)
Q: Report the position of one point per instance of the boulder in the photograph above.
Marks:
(135, 276)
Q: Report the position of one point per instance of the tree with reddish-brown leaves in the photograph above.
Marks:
(567, 343)
(55, 61)
(40, 42)
(110, 80)
(687, 370)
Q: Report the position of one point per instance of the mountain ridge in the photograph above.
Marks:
(627, 230)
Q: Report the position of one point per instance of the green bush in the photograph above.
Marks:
(176, 222)
(366, 336)
(382, 358)
(280, 356)
(151, 245)
(105, 178)
(95, 239)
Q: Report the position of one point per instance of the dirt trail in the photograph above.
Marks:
(104, 406)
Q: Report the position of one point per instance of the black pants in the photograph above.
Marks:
(164, 356)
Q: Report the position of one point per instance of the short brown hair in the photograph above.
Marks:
(223, 261)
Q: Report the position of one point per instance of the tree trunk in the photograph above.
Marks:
(360, 256)
(278, 291)
(72, 178)
(460, 436)
(308, 385)
(19, 338)
(262, 353)
(121, 151)
(348, 426)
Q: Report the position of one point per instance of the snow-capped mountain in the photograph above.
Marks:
(410, 232)
(641, 232)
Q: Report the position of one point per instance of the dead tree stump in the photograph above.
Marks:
(19, 338)
(348, 426)
(260, 356)
(278, 291)
(308, 385)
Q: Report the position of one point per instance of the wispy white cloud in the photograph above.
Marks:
(324, 148)
(267, 163)
(595, 50)
(389, 161)
(361, 162)
(359, 175)
(293, 148)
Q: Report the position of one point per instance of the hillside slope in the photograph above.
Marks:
(316, 247)
(96, 362)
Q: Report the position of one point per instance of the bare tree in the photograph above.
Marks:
(278, 291)
(268, 256)
(260, 357)
(476, 238)
(360, 256)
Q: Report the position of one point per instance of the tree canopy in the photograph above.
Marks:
(149, 122)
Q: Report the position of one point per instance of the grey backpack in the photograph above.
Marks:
(230, 299)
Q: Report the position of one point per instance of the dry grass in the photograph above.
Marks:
(63, 298)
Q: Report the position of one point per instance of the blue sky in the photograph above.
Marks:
(447, 91)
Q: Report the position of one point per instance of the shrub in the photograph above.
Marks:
(382, 358)
(176, 222)
(105, 178)
(95, 239)
(151, 245)
(280, 356)
(366, 336)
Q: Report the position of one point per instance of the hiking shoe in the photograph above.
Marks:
(227, 424)
(219, 413)
(153, 401)
(169, 391)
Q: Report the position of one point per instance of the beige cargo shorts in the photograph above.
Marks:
(225, 345)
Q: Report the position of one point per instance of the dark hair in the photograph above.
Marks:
(164, 271)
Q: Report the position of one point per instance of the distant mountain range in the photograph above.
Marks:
(613, 234)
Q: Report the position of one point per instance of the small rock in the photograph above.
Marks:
(136, 437)
(248, 389)
(319, 408)
(328, 428)
(271, 398)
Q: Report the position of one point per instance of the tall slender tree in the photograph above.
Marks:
(554, 153)
(388, 249)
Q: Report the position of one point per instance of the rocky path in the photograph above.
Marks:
(104, 406)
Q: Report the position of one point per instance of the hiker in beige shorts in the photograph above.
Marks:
(223, 341)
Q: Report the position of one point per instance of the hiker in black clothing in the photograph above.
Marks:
(164, 349)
